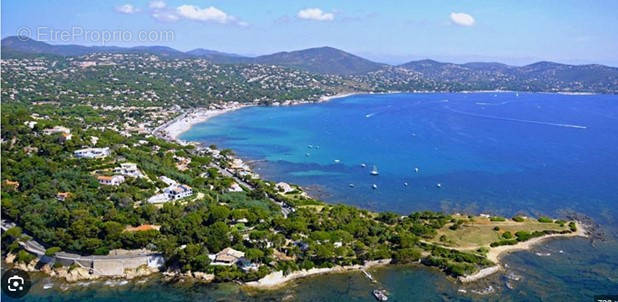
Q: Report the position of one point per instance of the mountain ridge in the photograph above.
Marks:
(330, 60)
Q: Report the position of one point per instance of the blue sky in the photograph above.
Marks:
(514, 32)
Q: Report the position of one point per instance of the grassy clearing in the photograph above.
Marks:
(480, 231)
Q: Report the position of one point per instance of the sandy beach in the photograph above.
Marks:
(277, 279)
(184, 124)
(336, 96)
(496, 252)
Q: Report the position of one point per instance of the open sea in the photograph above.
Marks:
(501, 153)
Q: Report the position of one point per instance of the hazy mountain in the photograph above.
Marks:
(535, 76)
(540, 76)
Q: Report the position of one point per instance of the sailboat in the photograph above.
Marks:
(374, 171)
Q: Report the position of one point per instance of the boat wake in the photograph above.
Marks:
(516, 120)
(370, 114)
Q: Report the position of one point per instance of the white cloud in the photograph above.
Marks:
(127, 9)
(204, 14)
(462, 19)
(156, 4)
(315, 14)
(167, 16)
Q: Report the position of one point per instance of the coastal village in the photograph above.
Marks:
(123, 197)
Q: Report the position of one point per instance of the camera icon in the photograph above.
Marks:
(15, 283)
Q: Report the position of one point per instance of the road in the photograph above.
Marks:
(286, 209)
(38, 249)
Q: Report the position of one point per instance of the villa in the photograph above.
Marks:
(228, 256)
(176, 192)
(111, 180)
(92, 153)
(56, 129)
(129, 169)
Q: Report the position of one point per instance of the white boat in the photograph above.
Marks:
(363, 165)
(439, 185)
(48, 285)
(336, 161)
(374, 171)
(351, 185)
(416, 170)
(405, 184)
(380, 295)
(374, 186)
(307, 154)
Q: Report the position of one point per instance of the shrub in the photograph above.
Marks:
(545, 219)
(507, 235)
(52, 251)
(497, 218)
(504, 242)
(496, 228)
(518, 219)
(572, 226)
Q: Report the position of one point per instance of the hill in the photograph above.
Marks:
(321, 60)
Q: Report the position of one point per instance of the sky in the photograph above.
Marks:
(513, 32)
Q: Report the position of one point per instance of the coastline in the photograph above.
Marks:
(495, 253)
(277, 279)
(199, 115)
(184, 123)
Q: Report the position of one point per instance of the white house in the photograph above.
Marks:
(129, 169)
(92, 153)
(176, 192)
(111, 180)
(235, 187)
(168, 181)
(56, 129)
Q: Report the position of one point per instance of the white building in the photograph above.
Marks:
(129, 169)
(92, 153)
(168, 181)
(56, 129)
(111, 180)
(176, 192)
(234, 188)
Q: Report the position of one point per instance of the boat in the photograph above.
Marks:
(380, 295)
(363, 165)
(405, 184)
(439, 185)
(351, 185)
(374, 186)
(336, 161)
(307, 154)
(416, 170)
(374, 171)
(48, 285)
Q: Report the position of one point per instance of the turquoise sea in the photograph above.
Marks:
(500, 153)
